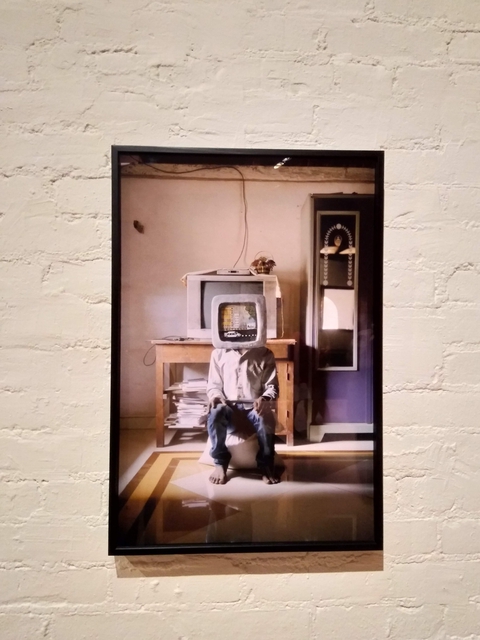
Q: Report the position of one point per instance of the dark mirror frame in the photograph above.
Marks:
(249, 157)
(327, 359)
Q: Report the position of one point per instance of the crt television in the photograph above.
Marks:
(201, 289)
(239, 321)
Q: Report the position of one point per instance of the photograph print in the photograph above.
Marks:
(246, 388)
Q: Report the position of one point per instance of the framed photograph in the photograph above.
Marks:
(246, 385)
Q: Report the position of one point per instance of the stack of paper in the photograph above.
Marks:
(191, 403)
(194, 384)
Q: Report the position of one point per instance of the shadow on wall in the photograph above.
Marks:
(248, 563)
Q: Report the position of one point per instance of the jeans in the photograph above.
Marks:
(223, 419)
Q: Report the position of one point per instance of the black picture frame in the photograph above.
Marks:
(126, 160)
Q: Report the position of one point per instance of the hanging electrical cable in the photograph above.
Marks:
(243, 250)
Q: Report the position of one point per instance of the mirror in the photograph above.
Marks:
(337, 256)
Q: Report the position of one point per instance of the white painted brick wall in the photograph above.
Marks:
(78, 76)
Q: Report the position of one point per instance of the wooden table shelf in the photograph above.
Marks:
(199, 351)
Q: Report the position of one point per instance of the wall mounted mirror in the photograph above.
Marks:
(336, 321)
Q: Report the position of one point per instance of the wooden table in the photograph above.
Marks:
(199, 351)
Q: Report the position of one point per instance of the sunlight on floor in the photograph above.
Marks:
(168, 499)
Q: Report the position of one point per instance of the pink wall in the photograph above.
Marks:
(194, 224)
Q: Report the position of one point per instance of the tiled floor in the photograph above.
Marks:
(136, 445)
(323, 496)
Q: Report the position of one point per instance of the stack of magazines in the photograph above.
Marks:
(191, 403)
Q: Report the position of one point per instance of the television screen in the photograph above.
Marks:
(202, 288)
(212, 288)
(237, 322)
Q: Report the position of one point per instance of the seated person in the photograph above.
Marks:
(241, 385)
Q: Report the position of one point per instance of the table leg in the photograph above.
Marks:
(289, 423)
(159, 391)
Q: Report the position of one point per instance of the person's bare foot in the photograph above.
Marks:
(218, 475)
(269, 476)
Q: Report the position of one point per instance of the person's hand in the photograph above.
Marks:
(214, 402)
(260, 405)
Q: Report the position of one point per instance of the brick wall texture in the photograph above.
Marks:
(80, 75)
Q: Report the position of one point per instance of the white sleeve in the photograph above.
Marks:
(215, 378)
(269, 378)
